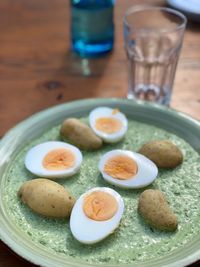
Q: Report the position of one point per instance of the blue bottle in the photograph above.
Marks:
(92, 28)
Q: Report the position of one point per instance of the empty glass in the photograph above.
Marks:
(153, 38)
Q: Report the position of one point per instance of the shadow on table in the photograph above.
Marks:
(193, 26)
(79, 66)
(76, 77)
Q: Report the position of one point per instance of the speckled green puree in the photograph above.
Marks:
(133, 240)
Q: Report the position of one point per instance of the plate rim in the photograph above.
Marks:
(169, 110)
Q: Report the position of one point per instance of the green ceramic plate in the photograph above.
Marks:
(33, 127)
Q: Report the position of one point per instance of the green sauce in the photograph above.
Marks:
(133, 241)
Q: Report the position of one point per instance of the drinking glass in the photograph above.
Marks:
(153, 38)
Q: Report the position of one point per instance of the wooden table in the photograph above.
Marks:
(37, 69)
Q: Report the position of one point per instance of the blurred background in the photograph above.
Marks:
(38, 70)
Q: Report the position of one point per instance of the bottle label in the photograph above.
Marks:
(92, 24)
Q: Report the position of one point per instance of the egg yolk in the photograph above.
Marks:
(115, 111)
(100, 206)
(59, 159)
(121, 167)
(108, 125)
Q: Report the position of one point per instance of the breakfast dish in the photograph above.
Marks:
(109, 124)
(127, 169)
(53, 159)
(154, 208)
(79, 134)
(96, 214)
(47, 198)
(136, 238)
(163, 153)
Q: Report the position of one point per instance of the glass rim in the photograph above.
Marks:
(140, 8)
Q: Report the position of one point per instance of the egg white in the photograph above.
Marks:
(146, 174)
(89, 231)
(35, 156)
(105, 112)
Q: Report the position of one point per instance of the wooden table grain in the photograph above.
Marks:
(38, 70)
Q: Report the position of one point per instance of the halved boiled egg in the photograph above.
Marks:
(53, 159)
(96, 214)
(109, 124)
(127, 169)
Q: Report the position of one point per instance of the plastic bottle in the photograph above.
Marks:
(92, 27)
